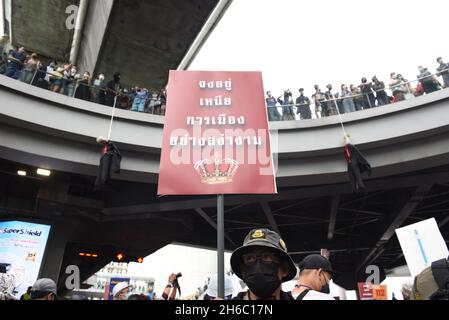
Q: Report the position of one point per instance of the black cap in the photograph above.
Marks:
(316, 261)
(263, 238)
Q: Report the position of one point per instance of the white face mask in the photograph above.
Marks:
(101, 78)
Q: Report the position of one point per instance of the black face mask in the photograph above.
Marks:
(325, 288)
(262, 279)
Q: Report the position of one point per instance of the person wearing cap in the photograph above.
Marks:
(314, 277)
(212, 288)
(120, 291)
(262, 262)
(44, 289)
(433, 282)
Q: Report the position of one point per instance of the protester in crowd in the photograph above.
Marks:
(331, 104)
(56, 79)
(16, 61)
(83, 88)
(113, 88)
(69, 81)
(120, 291)
(433, 282)
(263, 264)
(366, 88)
(320, 102)
(172, 288)
(398, 87)
(152, 102)
(40, 80)
(273, 113)
(44, 289)
(407, 290)
(212, 288)
(346, 99)
(408, 87)
(163, 98)
(30, 68)
(99, 91)
(314, 278)
(26, 295)
(140, 100)
(287, 106)
(303, 106)
(160, 103)
(357, 97)
(429, 82)
(381, 95)
(443, 71)
(7, 284)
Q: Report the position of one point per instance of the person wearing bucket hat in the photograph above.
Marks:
(262, 262)
(315, 273)
(120, 290)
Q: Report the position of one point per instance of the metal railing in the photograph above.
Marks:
(367, 98)
(323, 108)
(72, 88)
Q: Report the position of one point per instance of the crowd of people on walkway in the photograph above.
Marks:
(263, 264)
(65, 79)
(367, 95)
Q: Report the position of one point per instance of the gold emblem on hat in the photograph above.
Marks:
(258, 234)
(282, 244)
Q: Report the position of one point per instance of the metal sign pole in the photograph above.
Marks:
(220, 247)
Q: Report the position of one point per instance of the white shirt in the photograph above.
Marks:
(314, 295)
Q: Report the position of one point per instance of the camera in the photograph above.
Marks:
(179, 275)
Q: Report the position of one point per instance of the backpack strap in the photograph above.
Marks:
(303, 295)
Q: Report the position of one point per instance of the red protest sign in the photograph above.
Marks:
(365, 290)
(216, 138)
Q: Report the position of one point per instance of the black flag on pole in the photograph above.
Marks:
(358, 167)
(109, 164)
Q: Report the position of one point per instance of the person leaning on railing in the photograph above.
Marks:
(16, 60)
(429, 82)
(30, 68)
(83, 88)
(443, 71)
(398, 87)
(381, 94)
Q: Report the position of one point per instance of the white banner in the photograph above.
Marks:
(422, 244)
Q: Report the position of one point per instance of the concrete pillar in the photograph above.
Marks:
(2, 20)
(95, 28)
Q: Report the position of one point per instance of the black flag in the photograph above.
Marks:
(357, 167)
(109, 163)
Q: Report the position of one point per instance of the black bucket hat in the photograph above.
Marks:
(267, 239)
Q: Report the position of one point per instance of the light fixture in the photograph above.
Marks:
(43, 172)
(22, 173)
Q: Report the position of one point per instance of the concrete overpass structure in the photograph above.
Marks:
(139, 39)
(406, 143)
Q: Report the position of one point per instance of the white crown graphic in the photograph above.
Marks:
(216, 170)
